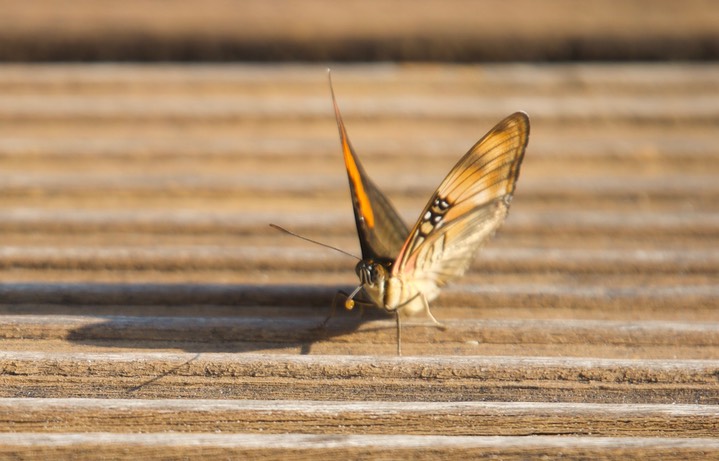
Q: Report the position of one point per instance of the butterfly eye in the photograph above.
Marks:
(363, 271)
(378, 273)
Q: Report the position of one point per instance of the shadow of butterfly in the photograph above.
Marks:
(402, 269)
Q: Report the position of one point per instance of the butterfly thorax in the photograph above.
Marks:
(387, 291)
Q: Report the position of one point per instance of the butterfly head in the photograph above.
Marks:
(372, 273)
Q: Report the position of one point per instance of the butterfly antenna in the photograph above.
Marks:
(282, 229)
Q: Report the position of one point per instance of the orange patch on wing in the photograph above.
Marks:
(353, 171)
(356, 177)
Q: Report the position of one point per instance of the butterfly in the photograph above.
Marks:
(403, 269)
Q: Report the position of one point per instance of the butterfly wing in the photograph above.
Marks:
(380, 229)
(467, 208)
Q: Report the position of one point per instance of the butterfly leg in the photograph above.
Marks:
(399, 333)
(424, 310)
(340, 299)
(333, 309)
(437, 323)
(397, 312)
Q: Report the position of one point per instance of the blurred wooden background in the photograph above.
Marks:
(369, 30)
(147, 309)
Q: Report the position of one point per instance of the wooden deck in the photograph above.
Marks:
(364, 31)
(148, 310)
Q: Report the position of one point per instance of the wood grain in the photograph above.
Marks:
(148, 310)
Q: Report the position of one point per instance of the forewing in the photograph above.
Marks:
(380, 229)
(467, 208)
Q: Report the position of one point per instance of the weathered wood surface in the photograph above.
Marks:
(353, 30)
(148, 310)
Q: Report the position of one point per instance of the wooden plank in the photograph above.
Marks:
(143, 291)
(290, 331)
(123, 374)
(49, 415)
(308, 446)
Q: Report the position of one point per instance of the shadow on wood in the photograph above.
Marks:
(194, 318)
